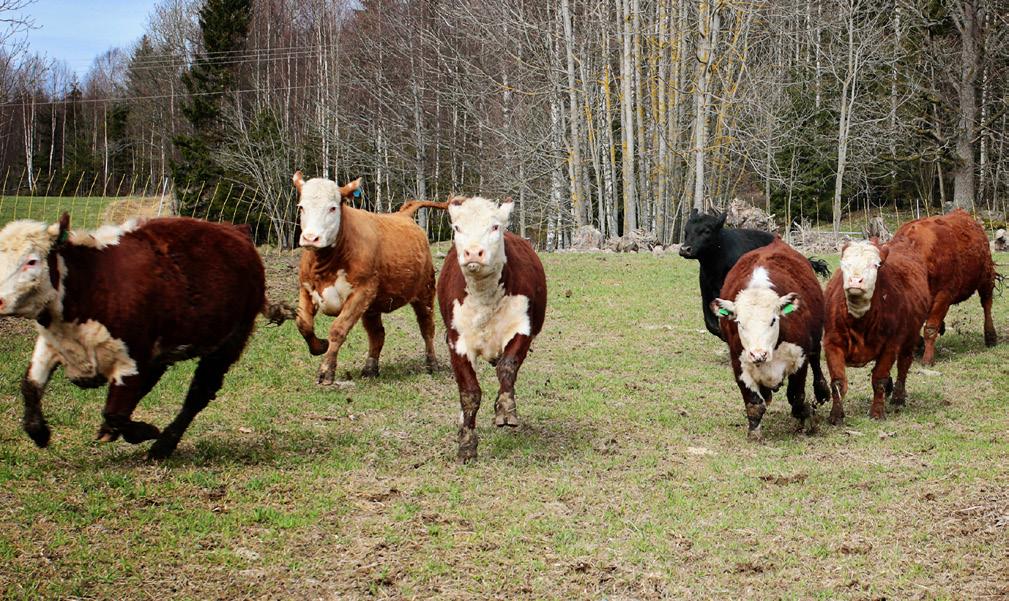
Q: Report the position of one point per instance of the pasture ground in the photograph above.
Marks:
(629, 478)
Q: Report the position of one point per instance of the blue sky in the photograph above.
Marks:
(79, 30)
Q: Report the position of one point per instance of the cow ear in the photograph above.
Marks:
(693, 212)
(721, 219)
(788, 303)
(723, 308)
(297, 179)
(884, 252)
(504, 211)
(60, 230)
(351, 189)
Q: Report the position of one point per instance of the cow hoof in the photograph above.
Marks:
(138, 432)
(898, 401)
(370, 368)
(161, 449)
(990, 339)
(431, 365)
(505, 413)
(106, 434)
(467, 446)
(39, 433)
(808, 425)
(837, 418)
(877, 414)
(326, 376)
(755, 435)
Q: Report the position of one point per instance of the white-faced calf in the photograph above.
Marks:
(359, 265)
(773, 326)
(492, 293)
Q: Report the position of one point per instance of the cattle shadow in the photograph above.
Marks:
(952, 344)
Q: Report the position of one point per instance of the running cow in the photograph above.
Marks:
(493, 295)
(359, 265)
(957, 258)
(717, 249)
(122, 304)
(876, 304)
(771, 312)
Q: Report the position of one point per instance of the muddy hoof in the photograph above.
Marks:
(161, 449)
(836, 418)
(431, 365)
(505, 412)
(467, 446)
(106, 434)
(39, 433)
(877, 413)
(370, 368)
(138, 432)
(990, 339)
(326, 375)
(807, 425)
(755, 435)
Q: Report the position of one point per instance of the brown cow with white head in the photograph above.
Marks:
(359, 265)
(493, 295)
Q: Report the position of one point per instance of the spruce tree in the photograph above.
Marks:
(214, 72)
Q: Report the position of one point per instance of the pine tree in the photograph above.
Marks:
(197, 176)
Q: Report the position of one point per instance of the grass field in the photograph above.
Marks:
(629, 478)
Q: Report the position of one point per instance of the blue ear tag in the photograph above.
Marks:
(357, 193)
(787, 309)
(723, 312)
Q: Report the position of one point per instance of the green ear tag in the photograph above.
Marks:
(723, 312)
(787, 309)
(62, 238)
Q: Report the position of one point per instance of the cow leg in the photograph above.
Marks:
(904, 361)
(372, 323)
(425, 319)
(986, 293)
(881, 382)
(44, 360)
(469, 399)
(838, 383)
(353, 309)
(207, 380)
(940, 306)
(797, 399)
(120, 403)
(505, 413)
(821, 392)
(306, 323)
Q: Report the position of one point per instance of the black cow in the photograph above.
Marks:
(718, 249)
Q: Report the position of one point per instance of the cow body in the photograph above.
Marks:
(717, 250)
(372, 264)
(771, 310)
(123, 304)
(492, 295)
(957, 258)
(875, 306)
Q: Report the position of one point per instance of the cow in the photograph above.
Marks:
(875, 306)
(121, 304)
(492, 293)
(771, 314)
(359, 265)
(957, 258)
(717, 249)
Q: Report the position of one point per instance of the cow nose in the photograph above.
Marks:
(310, 237)
(473, 254)
(685, 249)
(758, 356)
(855, 281)
(1, 304)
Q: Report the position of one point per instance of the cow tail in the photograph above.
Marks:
(412, 206)
(820, 267)
(277, 313)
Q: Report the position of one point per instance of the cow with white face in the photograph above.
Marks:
(358, 265)
(773, 326)
(492, 295)
(25, 281)
(860, 263)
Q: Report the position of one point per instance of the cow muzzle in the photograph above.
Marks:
(758, 357)
(310, 239)
(686, 251)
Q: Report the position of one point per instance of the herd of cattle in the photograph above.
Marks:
(121, 304)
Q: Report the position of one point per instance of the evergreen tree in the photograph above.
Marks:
(197, 176)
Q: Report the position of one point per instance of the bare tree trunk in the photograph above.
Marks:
(707, 34)
(627, 124)
(574, 145)
(966, 19)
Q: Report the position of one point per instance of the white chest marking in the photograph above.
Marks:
(785, 361)
(332, 297)
(486, 324)
(87, 350)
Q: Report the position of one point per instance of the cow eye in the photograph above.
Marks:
(32, 262)
(332, 209)
(495, 227)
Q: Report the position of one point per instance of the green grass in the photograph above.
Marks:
(629, 478)
(85, 211)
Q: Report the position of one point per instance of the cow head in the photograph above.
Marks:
(319, 202)
(26, 286)
(478, 226)
(757, 311)
(860, 263)
(701, 233)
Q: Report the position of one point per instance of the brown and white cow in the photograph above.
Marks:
(773, 325)
(493, 295)
(958, 261)
(876, 304)
(122, 304)
(359, 265)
